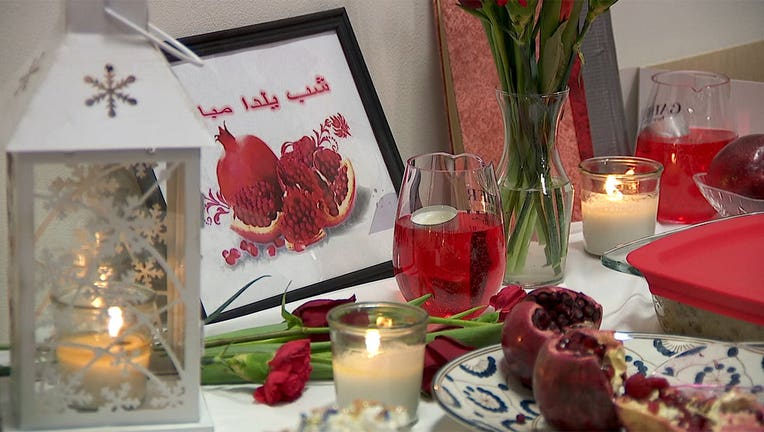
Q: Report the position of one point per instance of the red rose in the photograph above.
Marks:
(313, 314)
(506, 299)
(289, 371)
(437, 353)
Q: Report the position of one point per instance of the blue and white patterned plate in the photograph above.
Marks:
(474, 389)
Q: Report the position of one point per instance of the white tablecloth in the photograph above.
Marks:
(625, 299)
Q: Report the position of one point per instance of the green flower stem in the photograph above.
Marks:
(270, 337)
(456, 322)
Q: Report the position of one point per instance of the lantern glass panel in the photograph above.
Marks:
(109, 278)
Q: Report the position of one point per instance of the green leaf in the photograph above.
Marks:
(291, 319)
(252, 367)
(214, 315)
(321, 371)
(240, 348)
(473, 336)
(419, 301)
(251, 332)
(219, 373)
(552, 59)
(488, 317)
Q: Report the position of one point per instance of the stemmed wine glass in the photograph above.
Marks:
(449, 236)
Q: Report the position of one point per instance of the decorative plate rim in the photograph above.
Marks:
(621, 335)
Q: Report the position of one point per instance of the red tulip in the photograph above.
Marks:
(313, 314)
(289, 372)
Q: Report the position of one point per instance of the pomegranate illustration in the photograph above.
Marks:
(320, 189)
(542, 314)
(248, 179)
(288, 199)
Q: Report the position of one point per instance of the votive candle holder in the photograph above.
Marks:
(619, 200)
(378, 353)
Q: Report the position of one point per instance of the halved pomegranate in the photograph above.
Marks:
(323, 175)
(542, 314)
(649, 403)
(310, 187)
(576, 377)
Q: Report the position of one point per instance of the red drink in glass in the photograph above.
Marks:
(680, 200)
(460, 262)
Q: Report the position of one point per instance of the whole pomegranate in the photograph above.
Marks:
(542, 314)
(739, 167)
(652, 404)
(248, 179)
(576, 377)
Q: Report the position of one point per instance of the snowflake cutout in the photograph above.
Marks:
(110, 90)
(118, 399)
(169, 395)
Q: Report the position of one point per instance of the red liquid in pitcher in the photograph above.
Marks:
(460, 262)
(680, 199)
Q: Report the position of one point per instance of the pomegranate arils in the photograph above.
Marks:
(639, 386)
(327, 162)
(258, 204)
(582, 344)
(340, 185)
(294, 172)
(301, 219)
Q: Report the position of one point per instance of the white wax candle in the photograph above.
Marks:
(611, 220)
(391, 376)
(98, 361)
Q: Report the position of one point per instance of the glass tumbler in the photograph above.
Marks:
(378, 354)
(687, 121)
(449, 236)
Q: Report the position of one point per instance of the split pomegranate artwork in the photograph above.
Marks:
(286, 199)
(294, 176)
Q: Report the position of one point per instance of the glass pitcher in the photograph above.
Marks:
(687, 121)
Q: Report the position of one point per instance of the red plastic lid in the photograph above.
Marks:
(717, 266)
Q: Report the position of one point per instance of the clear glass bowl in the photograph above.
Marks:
(679, 318)
(727, 203)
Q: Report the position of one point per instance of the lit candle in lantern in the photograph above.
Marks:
(619, 201)
(104, 363)
(380, 362)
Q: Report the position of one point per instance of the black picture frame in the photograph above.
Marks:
(334, 20)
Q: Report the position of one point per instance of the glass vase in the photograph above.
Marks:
(536, 193)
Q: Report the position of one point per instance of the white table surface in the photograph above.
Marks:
(625, 299)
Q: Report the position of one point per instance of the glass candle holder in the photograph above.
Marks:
(619, 200)
(378, 353)
(103, 343)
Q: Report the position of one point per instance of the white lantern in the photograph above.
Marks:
(103, 192)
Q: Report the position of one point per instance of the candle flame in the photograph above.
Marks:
(383, 321)
(104, 274)
(372, 342)
(115, 320)
(611, 188)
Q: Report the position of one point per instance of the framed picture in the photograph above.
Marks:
(301, 174)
